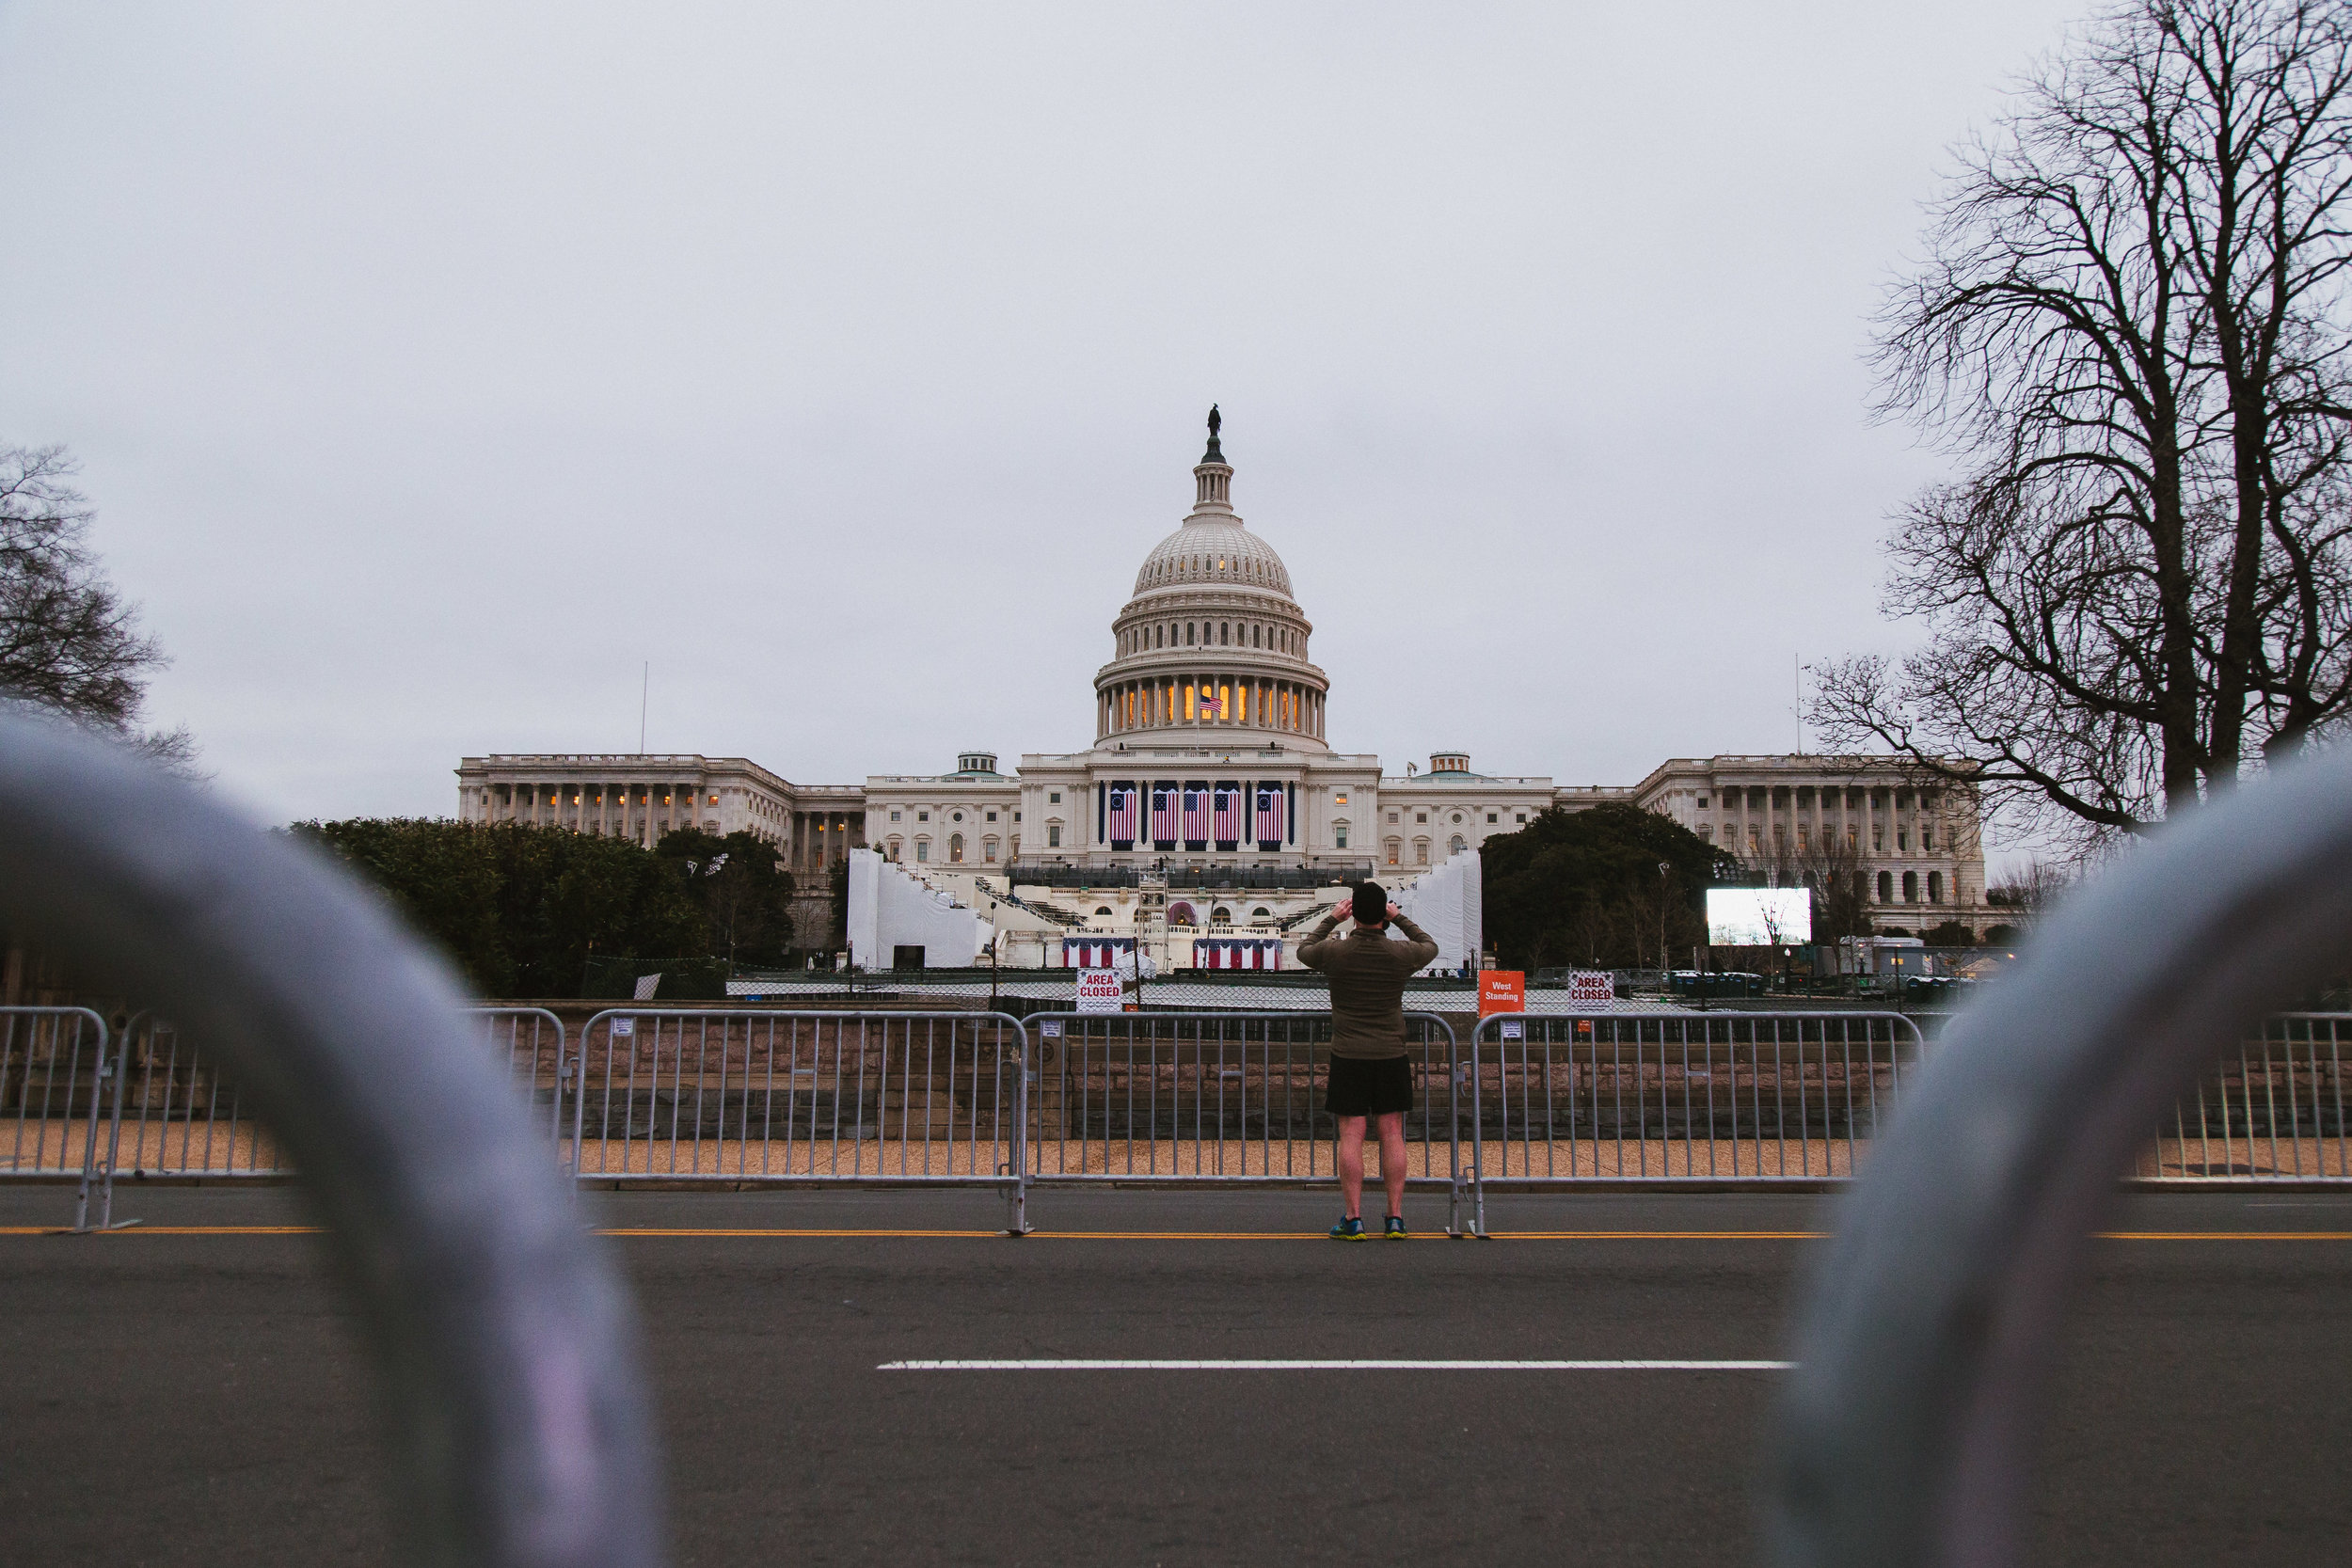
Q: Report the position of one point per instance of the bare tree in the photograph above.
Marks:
(2131, 330)
(69, 644)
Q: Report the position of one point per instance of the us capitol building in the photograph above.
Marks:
(1211, 797)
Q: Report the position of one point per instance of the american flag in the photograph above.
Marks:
(1195, 814)
(1123, 814)
(1270, 816)
(1164, 814)
(1211, 707)
(1229, 813)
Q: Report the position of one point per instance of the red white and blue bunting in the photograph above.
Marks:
(1237, 953)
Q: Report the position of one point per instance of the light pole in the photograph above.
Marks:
(1665, 869)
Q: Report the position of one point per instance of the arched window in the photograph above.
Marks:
(1454, 845)
(988, 850)
(1191, 628)
(1225, 634)
(1935, 887)
(1420, 851)
(1261, 912)
(1395, 848)
(1221, 916)
(1102, 909)
(1886, 887)
(895, 846)
(1911, 887)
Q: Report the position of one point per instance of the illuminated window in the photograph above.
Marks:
(1225, 699)
(1341, 799)
(1190, 711)
(1241, 710)
(1394, 850)
(955, 848)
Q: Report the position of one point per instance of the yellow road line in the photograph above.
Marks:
(695, 1232)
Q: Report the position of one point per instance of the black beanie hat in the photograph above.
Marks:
(1372, 902)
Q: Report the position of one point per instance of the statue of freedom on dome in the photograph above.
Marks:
(1217, 422)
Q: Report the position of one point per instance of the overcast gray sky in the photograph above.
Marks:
(434, 367)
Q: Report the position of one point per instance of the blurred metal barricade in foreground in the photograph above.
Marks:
(523, 1433)
(1926, 1335)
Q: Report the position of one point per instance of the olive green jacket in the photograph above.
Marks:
(1367, 973)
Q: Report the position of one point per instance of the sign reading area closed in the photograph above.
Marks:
(1592, 987)
(1098, 990)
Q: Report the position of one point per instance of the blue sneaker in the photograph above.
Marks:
(1349, 1230)
(1395, 1232)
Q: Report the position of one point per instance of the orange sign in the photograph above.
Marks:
(1501, 991)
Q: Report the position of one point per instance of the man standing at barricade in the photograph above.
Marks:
(1370, 1076)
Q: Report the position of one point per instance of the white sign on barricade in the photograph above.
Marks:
(1100, 990)
(1592, 988)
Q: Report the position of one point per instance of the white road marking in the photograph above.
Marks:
(1272, 1366)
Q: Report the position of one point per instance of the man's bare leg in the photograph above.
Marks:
(1391, 1159)
(1352, 1162)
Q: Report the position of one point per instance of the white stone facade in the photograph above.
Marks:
(1210, 697)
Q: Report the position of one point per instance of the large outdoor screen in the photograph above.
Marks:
(1759, 916)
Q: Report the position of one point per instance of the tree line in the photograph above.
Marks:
(526, 910)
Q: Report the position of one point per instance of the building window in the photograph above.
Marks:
(1886, 887)
(1394, 850)
(1707, 834)
(1702, 803)
(1420, 851)
(1455, 846)
(1523, 816)
(988, 850)
(1341, 799)
(1935, 887)
(992, 816)
(1393, 819)
(955, 848)
(1016, 816)
(958, 817)
(1053, 798)
(1493, 816)
(922, 849)
(1224, 634)
(1927, 842)
(1053, 835)
(922, 816)
(1189, 629)
(893, 850)
(1911, 887)
(1339, 838)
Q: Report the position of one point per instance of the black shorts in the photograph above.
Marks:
(1374, 1088)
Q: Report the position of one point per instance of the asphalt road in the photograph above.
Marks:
(172, 1398)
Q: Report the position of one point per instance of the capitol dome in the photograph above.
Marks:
(1212, 642)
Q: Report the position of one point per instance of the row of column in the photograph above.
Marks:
(638, 811)
(1291, 706)
(822, 839)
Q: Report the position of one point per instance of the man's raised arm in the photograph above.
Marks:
(1417, 940)
(1311, 952)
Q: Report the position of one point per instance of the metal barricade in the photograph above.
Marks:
(1558, 1100)
(2272, 1109)
(1927, 1338)
(519, 1427)
(54, 1066)
(865, 1099)
(1222, 1100)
